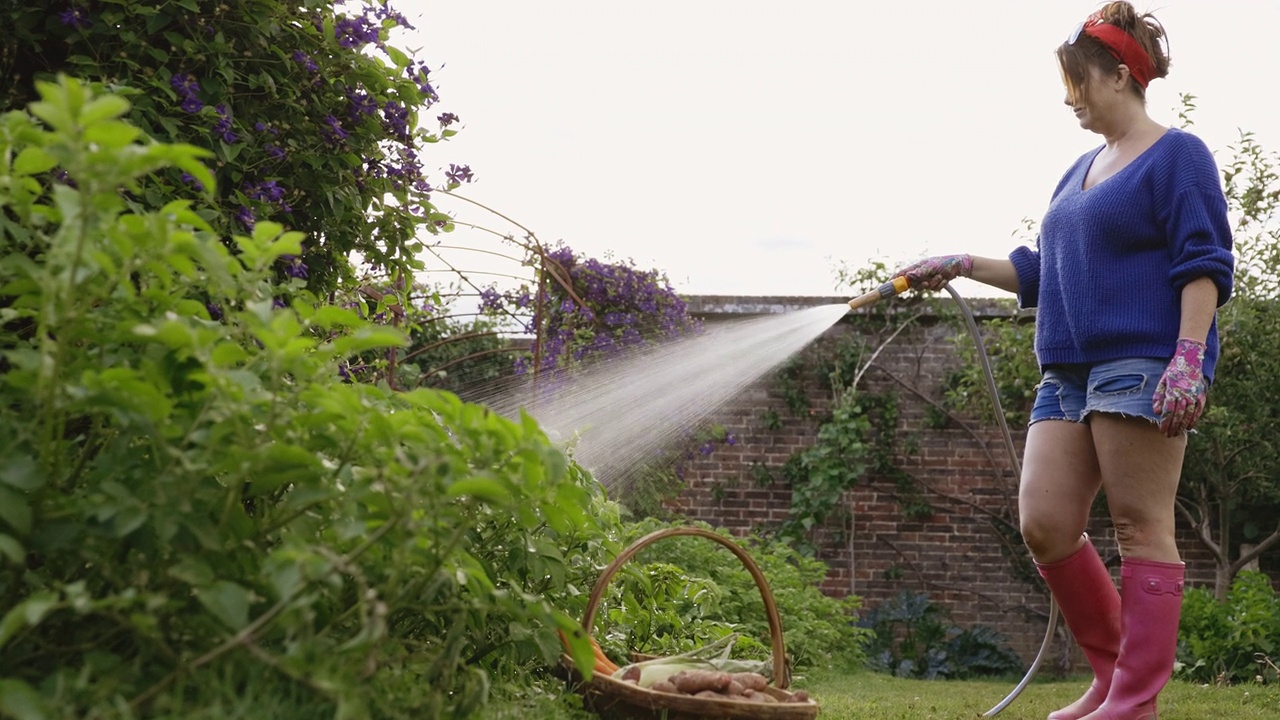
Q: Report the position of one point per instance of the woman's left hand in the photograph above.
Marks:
(1181, 392)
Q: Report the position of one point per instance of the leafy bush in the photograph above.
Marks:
(311, 114)
(199, 517)
(1230, 642)
(914, 638)
(685, 591)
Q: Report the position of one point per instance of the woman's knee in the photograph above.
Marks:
(1048, 538)
(1144, 537)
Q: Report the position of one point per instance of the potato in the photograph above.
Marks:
(800, 696)
(750, 680)
(692, 682)
(708, 694)
(735, 688)
(664, 686)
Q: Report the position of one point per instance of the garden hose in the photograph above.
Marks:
(895, 286)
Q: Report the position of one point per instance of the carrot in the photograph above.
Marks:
(603, 663)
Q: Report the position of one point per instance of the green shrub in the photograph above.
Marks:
(683, 592)
(313, 117)
(198, 516)
(1230, 642)
(914, 638)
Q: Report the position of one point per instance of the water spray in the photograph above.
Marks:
(898, 285)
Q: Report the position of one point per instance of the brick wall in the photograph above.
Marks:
(956, 555)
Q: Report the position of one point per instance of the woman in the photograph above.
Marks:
(1133, 259)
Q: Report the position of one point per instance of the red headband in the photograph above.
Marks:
(1122, 47)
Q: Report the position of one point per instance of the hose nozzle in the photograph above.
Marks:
(887, 290)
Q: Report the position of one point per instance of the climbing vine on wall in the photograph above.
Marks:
(856, 441)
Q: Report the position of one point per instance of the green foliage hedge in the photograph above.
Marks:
(198, 516)
(1234, 641)
(310, 112)
(685, 591)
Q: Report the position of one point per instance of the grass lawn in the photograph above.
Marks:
(872, 696)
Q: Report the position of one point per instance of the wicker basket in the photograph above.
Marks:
(614, 700)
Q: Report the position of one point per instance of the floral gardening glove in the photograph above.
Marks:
(932, 273)
(1180, 394)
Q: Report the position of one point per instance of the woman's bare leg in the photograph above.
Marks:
(1140, 472)
(1060, 478)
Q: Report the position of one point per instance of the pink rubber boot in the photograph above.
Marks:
(1087, 597)
(1150, 606)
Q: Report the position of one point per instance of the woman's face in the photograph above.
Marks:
(1093, 101)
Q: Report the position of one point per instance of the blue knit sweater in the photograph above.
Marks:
(1111, 261)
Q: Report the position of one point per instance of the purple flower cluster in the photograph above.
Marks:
(421, 76)
(352, 32)
(305, 61)
(447, 119)
(621, 307)
(491, 300)
(191, 180)
(186, 86)
(222, 128)
(294, 267)
(458, 174)
(396, 120)
(404, 171)
(385, 12)
(360, 104)
(270, 147)
(246, 218)
(333, 131)
(268, 191)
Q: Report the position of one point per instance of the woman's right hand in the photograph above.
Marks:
(934, 272)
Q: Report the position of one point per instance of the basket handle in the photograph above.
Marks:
(780, 678)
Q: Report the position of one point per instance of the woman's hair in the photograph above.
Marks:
(1075, 59)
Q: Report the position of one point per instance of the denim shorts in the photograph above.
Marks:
(1124, 387)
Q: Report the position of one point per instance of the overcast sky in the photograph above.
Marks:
(747, 146)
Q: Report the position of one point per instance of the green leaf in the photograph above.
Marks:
(181, 212)
(15, 511)
(128, 519)
(399, 58)
(27, 613)
(228, 354)
(229, 152)
(193, 571)
(33, 160)
(20, 701)
(278, 465)
(369, 338)
(12, 549)
(103, 107)
(112, 134)
(579, 649)
(487, 489)
(330, 316)
(21, 472)
(226, 601)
